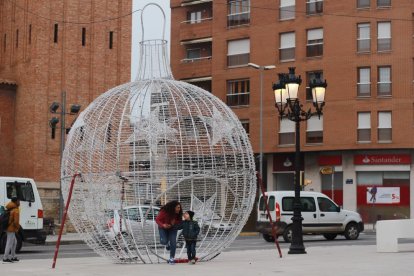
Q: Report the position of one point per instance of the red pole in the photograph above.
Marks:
(62, 224)
(259, 178)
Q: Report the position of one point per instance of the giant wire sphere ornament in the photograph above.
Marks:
(145, 143)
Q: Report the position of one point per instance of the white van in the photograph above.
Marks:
(31, 210)
(321, 216)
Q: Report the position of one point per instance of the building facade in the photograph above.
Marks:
(360, 152)
(82, 48)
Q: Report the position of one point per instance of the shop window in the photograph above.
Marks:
(238, 92)
(364, 127)
(238, 52)
(314, 46)
(287, 9)
(287, 46)
(284, 181)
(364, 82)
(364, 37)
(335, 191)
(390, 198)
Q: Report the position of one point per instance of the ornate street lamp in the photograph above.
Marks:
(288, 104)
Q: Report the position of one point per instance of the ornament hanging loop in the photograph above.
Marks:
(142, 19)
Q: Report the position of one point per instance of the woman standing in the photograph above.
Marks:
(169, 220)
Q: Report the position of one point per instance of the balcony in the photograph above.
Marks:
(194, 68)
(193, 29)
(194, 2)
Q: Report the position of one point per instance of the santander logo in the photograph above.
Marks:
(382, 159)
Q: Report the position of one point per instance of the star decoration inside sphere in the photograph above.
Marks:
(203, 210)
(152, 131)
(220, 127)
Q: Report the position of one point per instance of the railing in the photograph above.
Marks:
(361, 4)
(384, 89)
(239, 99)
(286, 138)
(196, 21)
(287, 12)
(238, 19)
(364, 135)
(286, 54)
(314, 50)
(314, 7)
(364, 45)
(314, 137)
(384, 134)
(190, 60)
(364, 89)
(383, 3)
(384, 44)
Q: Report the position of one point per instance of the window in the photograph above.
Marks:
(364, 82)
(287, 46)
(30, 34)
(238, 52)
(364, 127)
(83, 36)
(194, 17)
(307, 203)
(361, 4)
(383, 3)
(22, 190)
(193, 53)
(17, 38)
(111, 39)
(4, 42)
(326, 205)
(55, 33)
(238, 13)
(238, 92)
(384, 126)
(384, 81)
(310, 76)
(246, 125)
(287, 9)
(364, 37)
(314, 7)
(286, 132)
(384, 36)
(314, 130)
(314, 45)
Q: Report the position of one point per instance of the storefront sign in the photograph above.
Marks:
(383, 195)
(327, 170)
(382, 159)
(349, 181)
(330, 160)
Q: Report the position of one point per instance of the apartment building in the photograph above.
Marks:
(47, 47)
(363, 48)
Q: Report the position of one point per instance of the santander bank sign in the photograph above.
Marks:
(382, 159)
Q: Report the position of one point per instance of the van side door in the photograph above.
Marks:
(331, 217)
(23, 190)
(308, 209)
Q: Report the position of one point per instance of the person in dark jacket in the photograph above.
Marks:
(169, 221)
(12, 229)
(190, 233)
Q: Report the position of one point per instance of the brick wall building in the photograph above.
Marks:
(48, 47)
(364, 49)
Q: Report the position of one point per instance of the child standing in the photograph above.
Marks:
(190, 233)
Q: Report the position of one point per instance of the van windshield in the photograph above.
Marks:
(22, 190)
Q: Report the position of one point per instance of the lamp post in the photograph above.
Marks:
(54, 107)
(261, 69)
(288, 104)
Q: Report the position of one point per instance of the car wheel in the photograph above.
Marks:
(3, 240)
(268, 238)
(287, 235)
(330, 237)
(351, 231)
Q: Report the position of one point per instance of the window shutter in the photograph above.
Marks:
(384, 30)
(364, 120)
(287, 126)
(384, 119)
(315, 124)
(287, 40)
(237, 47)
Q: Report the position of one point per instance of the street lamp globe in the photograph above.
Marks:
(318, 88)
(279, 89)
(292, 83)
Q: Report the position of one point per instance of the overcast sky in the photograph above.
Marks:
(153, 21)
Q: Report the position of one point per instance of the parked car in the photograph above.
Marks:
(31, 210)
(138, 219)
(321, 216)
